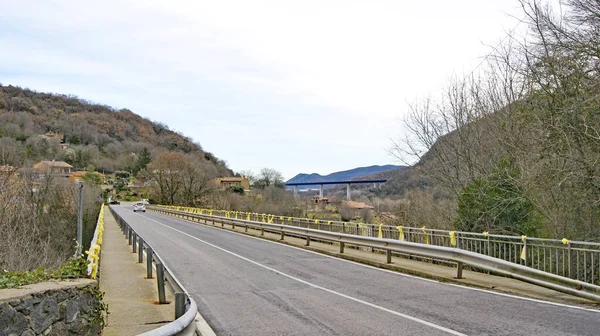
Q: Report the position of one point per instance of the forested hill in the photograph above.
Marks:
(94, 134)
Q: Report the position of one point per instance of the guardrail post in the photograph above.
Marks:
(149, 262)
(129, 237)
(282, 235)
(525, 252)
(459, 270)
(160, 280)
(341, 247)
(307, 241)
(126, 232)
(388, 256)
(570, 260)
(262, 231)
(179, 304)
(134, 247)
(245, 228)
(140, 250)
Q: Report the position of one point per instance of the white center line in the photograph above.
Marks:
(450, 331)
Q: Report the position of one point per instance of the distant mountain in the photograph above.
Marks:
(345, 175)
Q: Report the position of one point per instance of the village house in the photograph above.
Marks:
(55, 168)
(227, 182)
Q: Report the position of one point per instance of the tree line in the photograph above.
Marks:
(516, 145)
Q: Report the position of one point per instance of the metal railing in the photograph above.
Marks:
(455, 255)
(574, 259)
(185, 307)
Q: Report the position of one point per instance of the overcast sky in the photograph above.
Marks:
(299, 86)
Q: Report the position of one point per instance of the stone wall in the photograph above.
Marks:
(51, 308)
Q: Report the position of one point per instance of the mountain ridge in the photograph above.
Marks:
(344, 175)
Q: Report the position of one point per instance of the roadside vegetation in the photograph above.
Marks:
(38, 221)
(514, 148)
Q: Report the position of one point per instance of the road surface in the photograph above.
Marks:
(250, 286)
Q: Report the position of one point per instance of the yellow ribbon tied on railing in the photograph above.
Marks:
(426, 235)
(329, 223)
(289, 219)
(94, 271)
(281, 218)
(248, 216)
(316, 221)
(227, 214)
(523, 250)
(452, 238)
(485, 233)
(565, 241)
(270, 218)
(380, 235)
(400, 233)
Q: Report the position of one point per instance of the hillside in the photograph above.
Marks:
(345, 175)
(93, 134)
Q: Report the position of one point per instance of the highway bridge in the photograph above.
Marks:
(348, 183)
(249, 286)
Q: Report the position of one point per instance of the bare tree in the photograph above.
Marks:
(269, 178)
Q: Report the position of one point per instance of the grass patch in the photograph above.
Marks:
(72, 269)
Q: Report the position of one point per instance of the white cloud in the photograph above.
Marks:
(259, 83)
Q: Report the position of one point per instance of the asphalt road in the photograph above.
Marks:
(250, 286)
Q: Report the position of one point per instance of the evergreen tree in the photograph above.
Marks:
(143, 160)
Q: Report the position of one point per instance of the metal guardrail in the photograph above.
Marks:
(458, 256)
(574, 259)
(185, 307)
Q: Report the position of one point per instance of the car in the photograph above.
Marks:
(115, 202)
(139, 207)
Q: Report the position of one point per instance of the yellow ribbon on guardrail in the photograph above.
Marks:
(426, 235)
(270, 218)
(329, 223)
(316, 221)
(523, 252)
(227, 214)
(452, 238)
(380, 235)
(289, 219)
(565, 241)
(248, 216)
(94, 252)
(400, 233)
(281, 218)
(94, 271)
(485, 233)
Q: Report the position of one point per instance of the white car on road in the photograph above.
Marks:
(139, 207)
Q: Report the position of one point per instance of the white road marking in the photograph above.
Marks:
(450, 331)
(400, 274)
